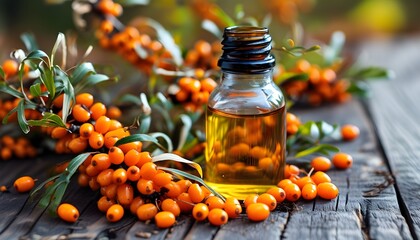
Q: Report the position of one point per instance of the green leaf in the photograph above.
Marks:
(56, 199)
(133, 2)
(371, 73)
(29, 42)
(333, 51)
(135, 138)
(129, 98)
(212, 28)
(291, 76)
(321, 148)
(192, 177)
(47, 78)
(2, 74)
(48, 120)
(38, 55)
(35, 90)
(167, 139)
(75, 163)
(325, 129)
(69, 97)
(92, 80)
(359, 88)
(176, 158)
(4, 87)
(182, 130)
(21, 116)
(80, 72)
(223, 16)
(61, 41)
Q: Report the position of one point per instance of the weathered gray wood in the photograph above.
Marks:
(395, 109)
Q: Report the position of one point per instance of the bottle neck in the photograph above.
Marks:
(245, 81)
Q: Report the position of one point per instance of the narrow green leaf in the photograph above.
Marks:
(60, 42)
(29, 42)
(182, 130)
(2, 74)
(291, 76)
(49, 194)
(176, 158)
(69, 97)
(75, 163)
(333, 51)
(324, 128)
(37, 190)
(35, 89)
(212, 28)
(92, 80)
(369, 73)
(56, 199)
(47, 78)
(81, 71)
(134, 2)
(135, 138)
(39, 55)
(4, 87)
(21, 116)
(129, 98)
(167, 139)
(48, 119)
(359, 88)
(321, 148)
(223, 16)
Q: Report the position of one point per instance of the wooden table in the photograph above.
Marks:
(386, 157)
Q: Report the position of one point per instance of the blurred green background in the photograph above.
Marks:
(359, 19)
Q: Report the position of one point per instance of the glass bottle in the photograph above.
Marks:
(245, 117)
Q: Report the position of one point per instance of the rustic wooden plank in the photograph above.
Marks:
(394, 108)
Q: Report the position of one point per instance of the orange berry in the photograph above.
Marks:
(172, 190)
(116, 155)
(200, 211)
(252, 198)
(163, 178)
(148, 170)
(104, 203)
(196, 193)
(164, 219)
(102, 124)
(86, 130)
(146, 211)
(321, 163)
(309, 191)
(119, 176)
(101, 161)
(208, 85)
(349, 132)
(290, 170)
(144, 158)
(293, 192)
(132, 157)
(320, 177)
(283, 183)
(85, 99)
(77, 145)
(133, 173)
(125, 194)
(327, 190)
(268, 200)
(68, 212)
(145, 186)
(96, 140)
(115, 213)
(303, 181)
(218, 217)
(106, 26)
(185, 203)
(98, 109)
(257, 212)
(24, 184)
(135, 204)
(184, 184)
(113, 112)
(104, 178)
(171, 206)
(80, 113)
(10, 68)
(232, 207)
(342, 160)
(278, 193)
(59, 132)
(214, 202)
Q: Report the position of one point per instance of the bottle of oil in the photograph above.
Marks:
(245, 117)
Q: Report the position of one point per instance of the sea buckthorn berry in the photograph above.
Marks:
(68, 212)
(309, 191)
(218, 217)
(200, 211)
(104, 203)
(147, 211)
(184, 202)
(115, 124)
(101, 161)
(116, 155)
(320, 177)
(268, 200)
(59, 132)
(80, 113)
(135, 204)
(85, 99)
(106, 26)
(349, 132)
(125, 194)
(252, 198)
(195, 192)
(232, 207)
(133, 173)
(91, 171)
(98, 109)
(164, 219)
(206, 191)
(83, 180)
(290, 170)
(86, 130)
(115, 213)
(144, 158)
(293, 192)
(148, 170)
(342, 160)
(77, 145)
(111, 191)
(303, 181)
(113, 112)
(132, 145)
(132, 157)
(104, 178)
(93, 184)
(172, 190)
(257, 212)
(145, 186)
(208, 85)
(163, 178)
(10, 67)
(171, 205)
(184, 184)
(96, 140)
(58, 101)
(327, 190)
(119, 176)
(214, 202)
(283, 183)
(321, 163)
(3, 188)
(24, 184)
(102, 124)
(278, 193)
